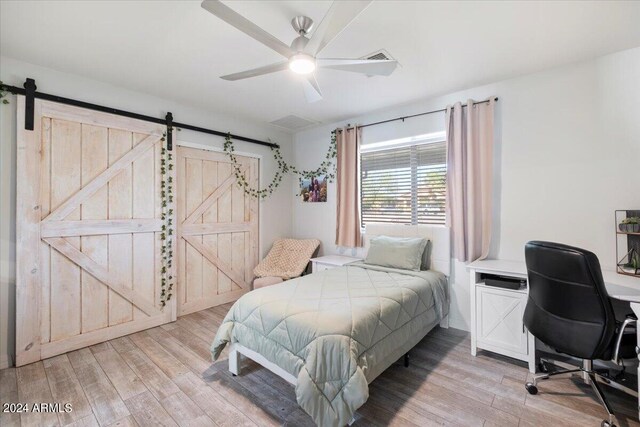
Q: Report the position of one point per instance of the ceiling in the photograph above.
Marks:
(176, 50)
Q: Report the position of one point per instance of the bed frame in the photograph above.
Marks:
(440, 260)
(236, 351)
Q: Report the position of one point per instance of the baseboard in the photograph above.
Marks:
(6, 361)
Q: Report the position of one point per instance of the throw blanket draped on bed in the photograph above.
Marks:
(332, 328)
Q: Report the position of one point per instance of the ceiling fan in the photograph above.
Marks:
(302, 54)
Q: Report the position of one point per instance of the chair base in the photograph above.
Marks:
(589, 375)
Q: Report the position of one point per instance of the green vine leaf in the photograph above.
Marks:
(166, 248)
(3, 94)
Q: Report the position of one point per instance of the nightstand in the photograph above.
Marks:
(496, 313)
(330, 261)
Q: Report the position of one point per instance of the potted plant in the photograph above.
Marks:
(633, 266)
(630, 225)
(630, 263)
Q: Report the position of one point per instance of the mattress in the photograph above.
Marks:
(336, 330)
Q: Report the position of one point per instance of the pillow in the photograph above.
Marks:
(396, 252)
(426, 257)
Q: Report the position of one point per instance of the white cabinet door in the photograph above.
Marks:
(499, 320)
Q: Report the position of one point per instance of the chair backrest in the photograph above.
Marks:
(288, 258)
(568, 306)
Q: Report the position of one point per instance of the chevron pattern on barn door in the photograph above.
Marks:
(217, 229)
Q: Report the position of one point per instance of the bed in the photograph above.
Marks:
(333, 332)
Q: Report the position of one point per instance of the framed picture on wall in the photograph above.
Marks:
(314, 190)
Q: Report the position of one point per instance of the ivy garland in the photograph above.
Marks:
(166, 236)
(3, 93)
(241, 179)
(326, 168)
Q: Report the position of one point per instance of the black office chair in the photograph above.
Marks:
(569, 310)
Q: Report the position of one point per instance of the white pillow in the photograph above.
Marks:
(396, 252)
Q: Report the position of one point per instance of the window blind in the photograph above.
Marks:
(404, 185)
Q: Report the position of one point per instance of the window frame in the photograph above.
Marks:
(412, 143)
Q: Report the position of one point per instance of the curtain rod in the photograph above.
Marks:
(414, 115)
(166, 121)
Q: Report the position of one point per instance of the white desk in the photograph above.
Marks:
(619, 286)
(625, 288)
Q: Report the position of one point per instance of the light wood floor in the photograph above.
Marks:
(153, 378)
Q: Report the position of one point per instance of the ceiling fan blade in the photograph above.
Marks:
(311, 89)
(375, 67)
(267, 69)
(233, 18)
(372, 67)
(339, 16)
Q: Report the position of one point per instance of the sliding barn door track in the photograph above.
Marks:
(30, 94)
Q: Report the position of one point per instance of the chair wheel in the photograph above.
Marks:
(531, 388)
(606, 423)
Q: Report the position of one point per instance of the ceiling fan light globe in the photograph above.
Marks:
(302, 64)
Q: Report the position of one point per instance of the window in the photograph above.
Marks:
(404, 183)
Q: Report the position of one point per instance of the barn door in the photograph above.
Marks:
(88, 229)
(217, 229)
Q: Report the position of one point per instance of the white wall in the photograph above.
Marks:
(275, 213)
(567, 151)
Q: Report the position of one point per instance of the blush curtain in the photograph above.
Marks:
(348, 213)
(470, 177)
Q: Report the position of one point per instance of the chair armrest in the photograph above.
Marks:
(627, 322)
